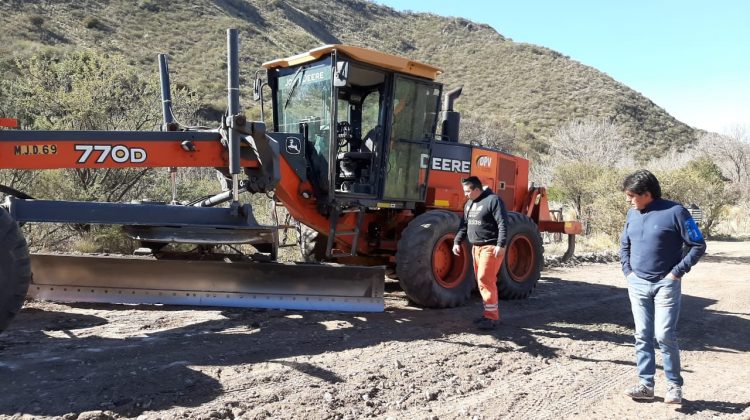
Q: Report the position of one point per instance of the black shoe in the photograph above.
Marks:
(478, 320)
(487, 324)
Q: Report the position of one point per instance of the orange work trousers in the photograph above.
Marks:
(486, 267)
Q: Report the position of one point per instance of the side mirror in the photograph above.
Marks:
(342, 74)
(257, 87)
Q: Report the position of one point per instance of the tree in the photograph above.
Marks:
(87, 91)
(731, 153)
(700, 182)
(573, 184)
(591, 141)
(583, 169)
(673, 159)
(593, 192)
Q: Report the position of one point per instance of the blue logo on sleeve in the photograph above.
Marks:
(694, 233)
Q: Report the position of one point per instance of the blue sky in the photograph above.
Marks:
(690, 57)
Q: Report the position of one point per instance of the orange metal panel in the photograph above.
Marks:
(521, 183)
(9, 122)
(572, 227)
(444, 190)
(484, 165)
(94, 154)
(446, 198)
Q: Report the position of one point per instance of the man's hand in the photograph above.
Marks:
(498, 251)
(672, 276)
(456, 249)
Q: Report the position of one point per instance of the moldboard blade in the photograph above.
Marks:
(138, 280)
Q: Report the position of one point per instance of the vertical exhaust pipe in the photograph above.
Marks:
(451, 119)
(166, 110)
(233, 99)
(166, 95)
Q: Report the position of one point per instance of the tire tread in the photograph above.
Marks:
(414, 262)
(15, 269)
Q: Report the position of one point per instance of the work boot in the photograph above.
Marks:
(487, 324)
(674, 394)
(640, 392)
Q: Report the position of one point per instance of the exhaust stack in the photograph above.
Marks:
(451, 119)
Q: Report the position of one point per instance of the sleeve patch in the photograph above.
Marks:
(694, 233)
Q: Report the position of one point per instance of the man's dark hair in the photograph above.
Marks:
(472, 182)
(641, 181)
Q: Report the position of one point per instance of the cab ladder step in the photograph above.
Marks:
(333, 233)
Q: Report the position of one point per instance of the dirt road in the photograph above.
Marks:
(564, 353)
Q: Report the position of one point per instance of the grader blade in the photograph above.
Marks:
(134, 280)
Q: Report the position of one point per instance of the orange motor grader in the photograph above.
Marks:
(363, 152)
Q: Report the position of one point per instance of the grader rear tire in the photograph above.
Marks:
(427, 270)
(524, 257)
(15, 269)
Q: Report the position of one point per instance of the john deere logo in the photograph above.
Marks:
(293, 146)
(484, 161)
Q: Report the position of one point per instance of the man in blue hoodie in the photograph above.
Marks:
(653, 261)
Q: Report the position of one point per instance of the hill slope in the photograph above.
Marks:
(520, 86)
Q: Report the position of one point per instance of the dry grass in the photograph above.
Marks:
(734, 224)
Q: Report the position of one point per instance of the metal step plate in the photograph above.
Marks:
(139, 280)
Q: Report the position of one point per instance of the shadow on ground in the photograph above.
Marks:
(51, 375)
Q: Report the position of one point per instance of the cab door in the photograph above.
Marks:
(414, 112)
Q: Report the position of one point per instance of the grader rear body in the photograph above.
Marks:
(355, 155)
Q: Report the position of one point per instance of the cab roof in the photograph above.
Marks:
(364, 55)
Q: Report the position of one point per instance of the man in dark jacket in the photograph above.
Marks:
(653, 261)
(484, 223)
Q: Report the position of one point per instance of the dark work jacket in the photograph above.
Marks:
(653, 238)
(485, 221)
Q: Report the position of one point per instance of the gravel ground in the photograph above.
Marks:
(566, 352)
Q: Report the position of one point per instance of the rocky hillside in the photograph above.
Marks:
(519, 87)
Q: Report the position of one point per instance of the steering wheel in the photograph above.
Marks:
(343, 133)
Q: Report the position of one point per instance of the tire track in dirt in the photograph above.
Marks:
(541, 395)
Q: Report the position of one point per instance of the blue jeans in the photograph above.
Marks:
(656, 308)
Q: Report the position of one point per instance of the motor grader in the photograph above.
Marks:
(364, 153)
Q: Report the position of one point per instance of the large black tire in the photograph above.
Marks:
(312, 244)
(524, 258)
(15, 269)
(427, 270)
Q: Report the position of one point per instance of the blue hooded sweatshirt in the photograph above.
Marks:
(652, 241)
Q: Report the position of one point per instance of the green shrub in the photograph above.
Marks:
(36, 20)
(104, 238)
(90, 91)
(149, 5)
(92, 22)
(593, 191)
(700, 182)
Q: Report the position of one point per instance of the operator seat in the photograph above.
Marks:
(366, 148)
(356, 164)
